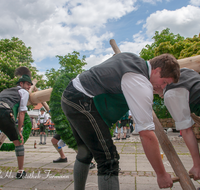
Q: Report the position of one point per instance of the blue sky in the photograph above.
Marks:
(53, 28)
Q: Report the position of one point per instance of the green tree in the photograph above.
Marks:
(182, 49)
(70, 64)
(169, 39)
(13, 54)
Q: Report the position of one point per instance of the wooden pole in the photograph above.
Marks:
(167, 147)
(114, 46)
(40, 96)
(172, 156)
(190, 63)
(34, 81)
(46, 106)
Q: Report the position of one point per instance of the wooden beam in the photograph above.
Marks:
(34, 81)
(190, 63)
(40, 96)
(172, 156)
(46, 106)
(167, 147)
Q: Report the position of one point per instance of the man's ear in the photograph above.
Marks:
(158, 69)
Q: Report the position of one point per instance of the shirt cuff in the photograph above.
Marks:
(22, 109)
(144, 127)
(184, 124)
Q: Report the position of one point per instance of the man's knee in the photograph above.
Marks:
(19, 150)
(109, 167)
(84, 155)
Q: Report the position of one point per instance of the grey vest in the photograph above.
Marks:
(190, 80)
(10, 96)
(104, 83)
(106, 77)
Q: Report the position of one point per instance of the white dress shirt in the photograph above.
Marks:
(24, 99)
(177, 102)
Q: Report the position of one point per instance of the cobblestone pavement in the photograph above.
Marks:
(42, 174)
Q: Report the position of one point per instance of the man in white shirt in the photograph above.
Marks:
(97, 98)
(13, 102)
(42, 119)
(182, 99)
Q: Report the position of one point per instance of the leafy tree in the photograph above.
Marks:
(70, 64)
(182, 49)
(169, 39)
(13, 54)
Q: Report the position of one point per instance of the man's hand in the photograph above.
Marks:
(195, 171)
(164, 181)
(21, 138)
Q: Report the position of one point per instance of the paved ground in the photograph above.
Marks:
(42, 174)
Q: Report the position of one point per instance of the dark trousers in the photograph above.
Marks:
(42, 127)
(90, 131)
(7, 124)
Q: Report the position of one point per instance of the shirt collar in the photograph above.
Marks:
(149, 65)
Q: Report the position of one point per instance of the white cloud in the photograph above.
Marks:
(195, 2)
(135, 47)
(184, 21)
(139, 22)
(151, 1)
(95, 60)
(59, 27)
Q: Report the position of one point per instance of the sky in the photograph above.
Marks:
(60, 27)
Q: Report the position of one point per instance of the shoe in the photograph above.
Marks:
(117, 139)
(124, 138)
(135, 133)
(21, 175)
(60, 160)
(40, 143)
(92, 165)
(44, 143)
(180, 136)
(127, 136)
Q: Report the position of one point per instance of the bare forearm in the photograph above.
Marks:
(21, 120)
(152, 151)
(191, 142)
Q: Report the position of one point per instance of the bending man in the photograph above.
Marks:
(102, 95)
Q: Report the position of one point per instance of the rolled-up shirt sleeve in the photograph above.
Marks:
(24, 100)
(138, 92)
(177, 102)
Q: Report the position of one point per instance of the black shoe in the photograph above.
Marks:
(124, 138)
(117, 139)
(40, 143)
(44, 143)
(60, 160)
(128, 136)
(92, 165)
(21, 175)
